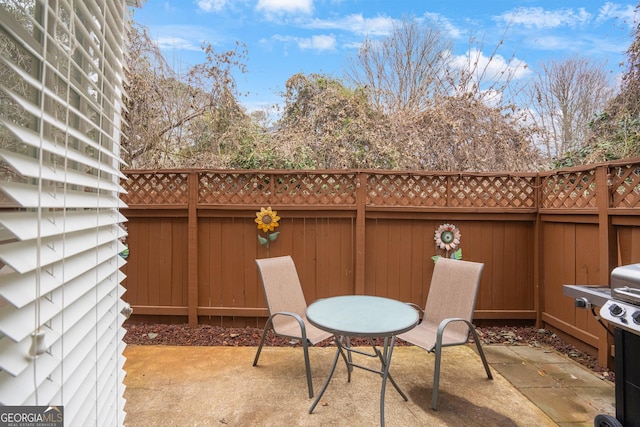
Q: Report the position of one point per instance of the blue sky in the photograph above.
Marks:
(285, 37)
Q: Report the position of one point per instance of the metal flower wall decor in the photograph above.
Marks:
(447, 238)
(267, 220)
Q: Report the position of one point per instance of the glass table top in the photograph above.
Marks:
(362, 316)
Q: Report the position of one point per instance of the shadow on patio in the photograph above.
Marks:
(208, 386)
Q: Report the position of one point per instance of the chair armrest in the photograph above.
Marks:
(296, 316)
(445, 322)
(419, 309)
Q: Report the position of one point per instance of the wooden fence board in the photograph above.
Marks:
(418, 263)
(497, 272)
(476, 242)
(179, 277)
(510, 257)
(628, 244)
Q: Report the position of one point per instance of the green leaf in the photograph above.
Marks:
(435, 258)
(457, 254)
(262, 240)
(125, 253)
(273, 236)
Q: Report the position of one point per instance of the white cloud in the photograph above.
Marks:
(211, 5)
(352, 45)
(285, 6)
(488, 75)
(553, 42)
(176, 43)
(537, 17)
(168, 7)
(445, 24)
(378, 26)
(491, 69)
(582, 44)
(356, 23)
(182, 37)
(321, 42)
(625, 13)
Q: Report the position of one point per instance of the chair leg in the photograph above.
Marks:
(438, 351)
(264, 335)
(476, 338)
(307, 365)
(305, 346)
(436, 375)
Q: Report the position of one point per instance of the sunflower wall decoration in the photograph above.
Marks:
(447, 238)
(267, 220)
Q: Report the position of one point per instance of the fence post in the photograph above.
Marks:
(538, 245)
(608, 250)
(361, 203)
(192, 249)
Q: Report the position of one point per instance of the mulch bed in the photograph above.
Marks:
(207, 335)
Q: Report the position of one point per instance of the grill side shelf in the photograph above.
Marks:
(596, 295)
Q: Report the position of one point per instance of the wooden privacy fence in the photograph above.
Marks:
(193, 240)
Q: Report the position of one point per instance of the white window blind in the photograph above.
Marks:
(61, 68)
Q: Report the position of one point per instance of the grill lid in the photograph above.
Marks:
(625, 283)
(626, 275)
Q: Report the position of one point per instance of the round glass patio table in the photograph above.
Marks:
(362, 316)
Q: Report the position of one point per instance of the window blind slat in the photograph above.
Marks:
(20, 387)
(22, 256)
(24, 225)
(17, 323)
(31, 168)
(77, 87)
(15, 388)
(18, 290)
(32, 139)
(47, 118)
(77, 313)
(29, 196)
(12, 360)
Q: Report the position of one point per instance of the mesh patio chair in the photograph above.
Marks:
(446, 319)
(287, 307)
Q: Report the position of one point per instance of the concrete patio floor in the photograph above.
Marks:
(218, 386)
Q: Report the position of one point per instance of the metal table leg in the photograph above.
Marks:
(345, 351)
(333, 368)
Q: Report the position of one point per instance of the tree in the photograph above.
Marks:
(403, 71)
(616, 131)
(182, 120)
(564, 98)
(444, 112)
(449, 116)
(327, 125)
(463, 133)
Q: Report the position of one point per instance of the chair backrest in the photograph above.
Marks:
(282, 289)
(453, 291)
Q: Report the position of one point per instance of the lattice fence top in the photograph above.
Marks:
(277, 189)
(156, 189)
(574, 189)
(407, 190)
(462, 191)
(625, 186)
(569, 190)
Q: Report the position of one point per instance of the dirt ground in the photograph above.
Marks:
(207, 335)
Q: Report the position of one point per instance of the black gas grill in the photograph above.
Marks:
(620, 306)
